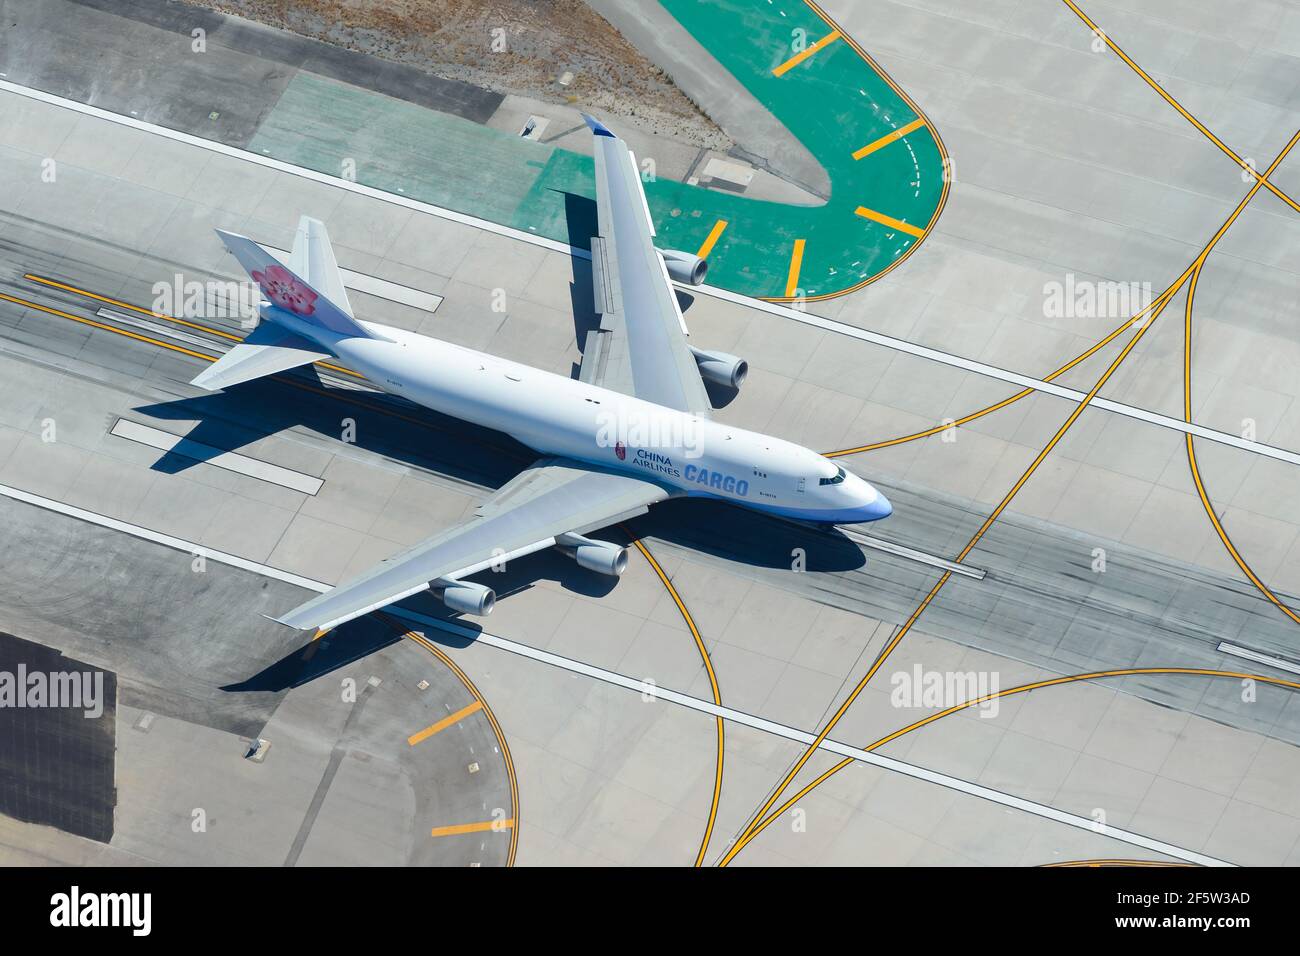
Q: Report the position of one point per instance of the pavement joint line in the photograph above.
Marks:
(888, 341)
(636, 685)
(1236, 650)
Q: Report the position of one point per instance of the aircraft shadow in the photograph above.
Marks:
(748, 537)
(419, 437)
(315, 658)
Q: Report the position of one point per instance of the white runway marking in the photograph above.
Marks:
(1246, 653)
(806, 318)
(217, 457)
(373, 285)
(924, 557)
(640, 687)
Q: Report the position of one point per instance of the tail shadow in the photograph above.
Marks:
(245, 414)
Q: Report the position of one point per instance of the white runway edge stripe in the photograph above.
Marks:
(774, 308)
(638, 686)
(830, 325)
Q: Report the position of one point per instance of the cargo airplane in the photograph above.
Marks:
(632, 430)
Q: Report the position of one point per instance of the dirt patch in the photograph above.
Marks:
(522, 47)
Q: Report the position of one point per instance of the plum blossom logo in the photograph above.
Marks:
(279, 285)
(621, 450)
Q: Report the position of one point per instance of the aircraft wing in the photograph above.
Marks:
(640, 347)
(550, 498)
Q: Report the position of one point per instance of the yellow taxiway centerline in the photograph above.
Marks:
(1101, 863)
(1023, 688)
(53, 283)
(100, 325)
(1245, 164)
(761, 819)
(713, 686)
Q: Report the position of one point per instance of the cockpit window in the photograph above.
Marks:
(839, 476)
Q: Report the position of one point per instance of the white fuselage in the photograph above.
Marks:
(567, 418)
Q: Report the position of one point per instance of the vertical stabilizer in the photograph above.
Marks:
(309, 308)
(313, 259)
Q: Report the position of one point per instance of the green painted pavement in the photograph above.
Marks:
(834, 102)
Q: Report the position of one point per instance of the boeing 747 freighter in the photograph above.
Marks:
(632, 430)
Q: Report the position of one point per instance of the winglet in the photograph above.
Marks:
(596, 126)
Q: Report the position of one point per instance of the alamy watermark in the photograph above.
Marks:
(73, 690)
(1094, 299)
(209, 299)
(943, 689)
(75, 908)
(649, 433)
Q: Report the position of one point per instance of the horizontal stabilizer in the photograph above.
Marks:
(267, 349)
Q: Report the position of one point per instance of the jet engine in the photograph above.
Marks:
(721, 368)
(684, 267)
(600, 556)
(468, 597)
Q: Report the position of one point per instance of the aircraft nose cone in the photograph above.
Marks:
(880, 508)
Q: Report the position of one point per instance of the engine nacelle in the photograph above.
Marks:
(468, 597)
(599, 556)
(721, 368)
(684, 267)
